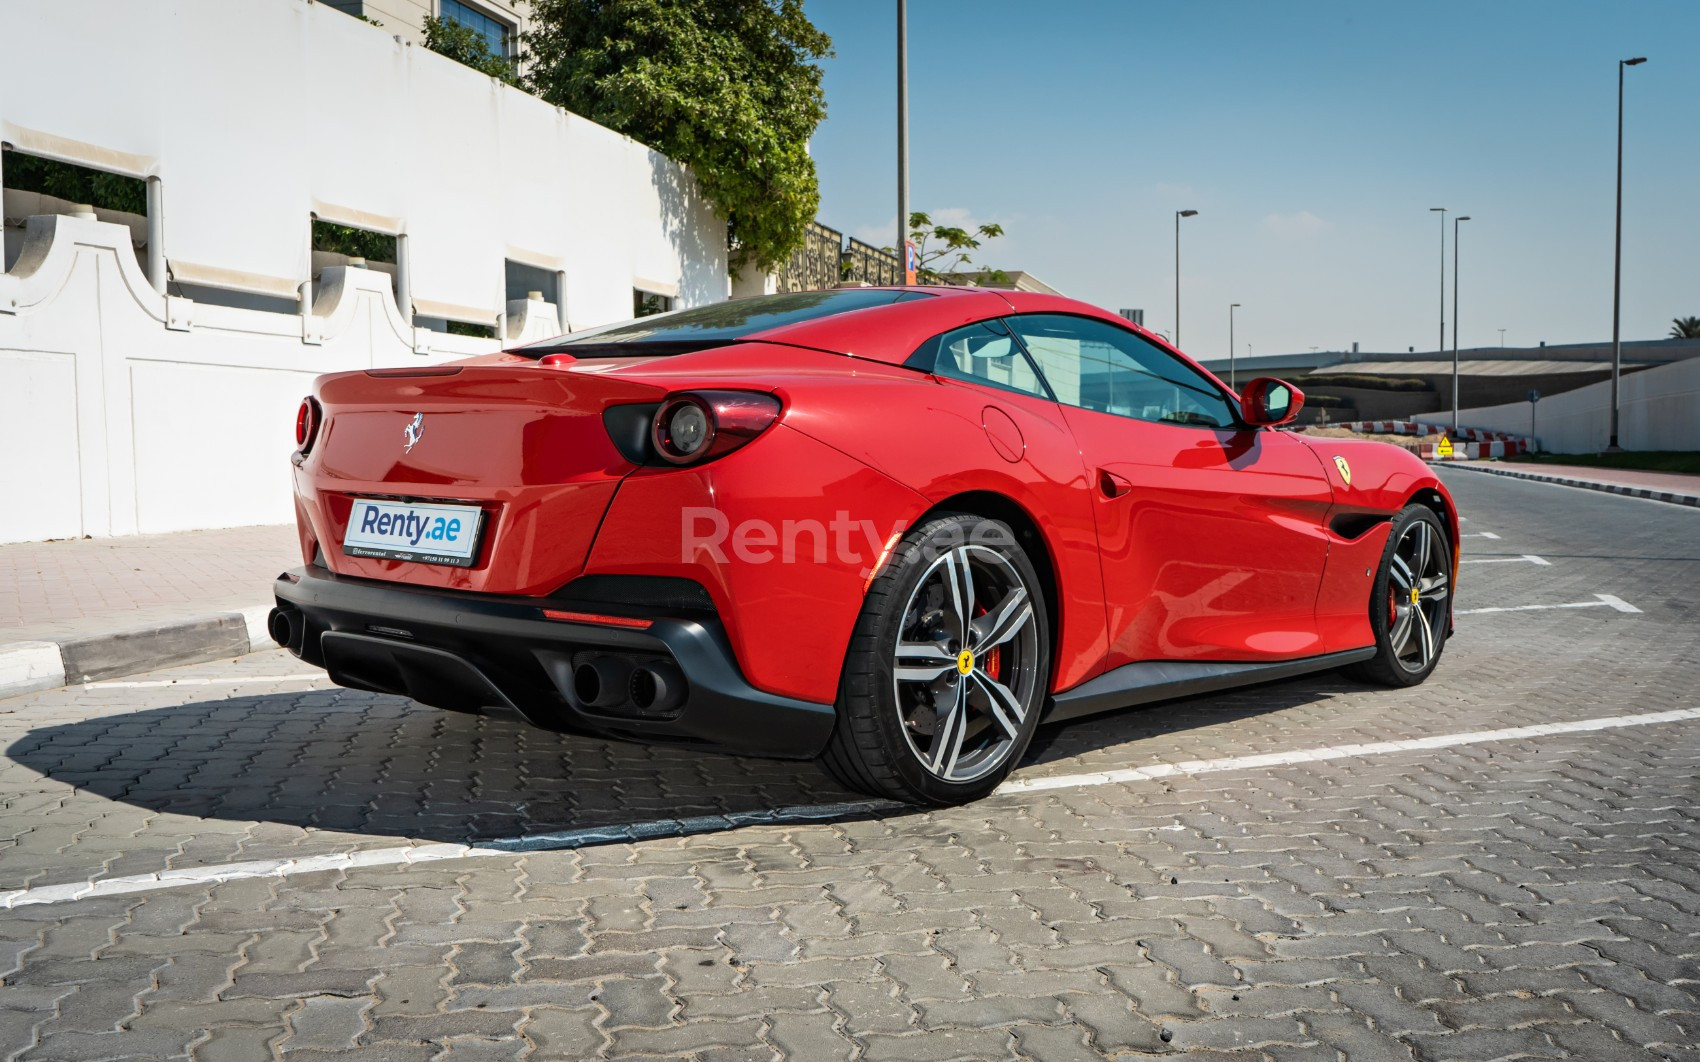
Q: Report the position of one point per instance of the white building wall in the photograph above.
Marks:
(1658, 409)
(123, 411)
(140, 412)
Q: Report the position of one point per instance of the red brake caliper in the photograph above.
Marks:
(994, 658)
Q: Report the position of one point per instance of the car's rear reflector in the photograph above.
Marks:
(598, 618)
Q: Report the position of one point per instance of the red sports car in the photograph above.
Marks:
(894, 528)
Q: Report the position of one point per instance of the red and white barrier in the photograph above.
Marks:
(1473, 450)
(1415, 427)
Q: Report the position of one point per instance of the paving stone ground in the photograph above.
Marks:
(1527, 898)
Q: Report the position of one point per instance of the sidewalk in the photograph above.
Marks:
(1674, 487)
(84, 609)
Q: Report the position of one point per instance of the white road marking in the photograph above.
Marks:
(234, 680)
(1480, 534)
(430, 853)
(1340, 752)
(1527, 558)
(1604, 601)
(663, 828)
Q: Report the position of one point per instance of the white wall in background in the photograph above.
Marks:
(254, 115)
(1658, 409)
(123, 410)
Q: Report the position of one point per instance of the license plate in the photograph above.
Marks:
(414, 531)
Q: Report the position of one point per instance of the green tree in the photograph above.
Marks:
(355, 243)
(1685, 328)
(79, 184)
(468, 47)
(730, 88)
(941, 251)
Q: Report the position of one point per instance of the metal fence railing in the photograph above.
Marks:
(815, 264)
(866, 264)
(827, 259)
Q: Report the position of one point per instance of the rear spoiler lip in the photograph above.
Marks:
(477, 386)
(641, 349)
(434, 370)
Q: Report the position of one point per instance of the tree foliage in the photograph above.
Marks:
(941, 251)
(353, 242)
(1685, 328)
(79, 184)
(730, 88)
(468, 47)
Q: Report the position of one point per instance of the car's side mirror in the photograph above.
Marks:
(1268, 402)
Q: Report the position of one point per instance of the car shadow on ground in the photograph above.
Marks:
(362, 763)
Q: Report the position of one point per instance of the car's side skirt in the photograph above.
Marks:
(1158, 680)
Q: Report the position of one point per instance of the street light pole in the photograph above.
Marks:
(903, 133)
(1502, 339)
(1179, 214)
(1617, 263)
(1442, 210)
(1455, 222)
(1232, 386)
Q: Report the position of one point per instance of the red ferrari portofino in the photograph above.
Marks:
(891, 528)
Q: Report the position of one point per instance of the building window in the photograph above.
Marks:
(36, 185)
(498, 35)
(647, 303)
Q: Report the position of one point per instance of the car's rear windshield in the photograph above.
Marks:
(716, 324)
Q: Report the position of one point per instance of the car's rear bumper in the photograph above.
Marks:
(466, 650)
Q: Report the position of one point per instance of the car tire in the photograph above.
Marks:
(939, 699)
(1410, 628)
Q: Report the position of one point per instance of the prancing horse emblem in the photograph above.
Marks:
(1345, 469)
(414, 431)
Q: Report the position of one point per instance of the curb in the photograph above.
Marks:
(1609, 488)
(28, 667)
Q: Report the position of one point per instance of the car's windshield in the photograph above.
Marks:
(702, 327)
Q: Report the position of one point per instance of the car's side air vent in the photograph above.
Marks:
(1356, 525)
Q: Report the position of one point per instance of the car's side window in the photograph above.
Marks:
(1095, 365)
(983, 353)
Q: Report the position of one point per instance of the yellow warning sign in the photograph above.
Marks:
(1443, 448)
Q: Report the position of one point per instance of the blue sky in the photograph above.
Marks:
(1312, 138)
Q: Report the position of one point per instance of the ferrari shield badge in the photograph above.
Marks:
(1345, 469)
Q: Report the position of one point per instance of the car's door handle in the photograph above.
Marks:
(1112, 485)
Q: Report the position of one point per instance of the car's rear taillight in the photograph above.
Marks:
(702, 425)
(306, 424)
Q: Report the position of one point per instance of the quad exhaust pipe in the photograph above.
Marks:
(652, 687)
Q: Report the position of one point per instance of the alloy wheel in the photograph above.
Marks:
(966, 664)
(1418, 589)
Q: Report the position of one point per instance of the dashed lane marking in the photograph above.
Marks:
(665, 828)
(1602, 601)
(1480, 534)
